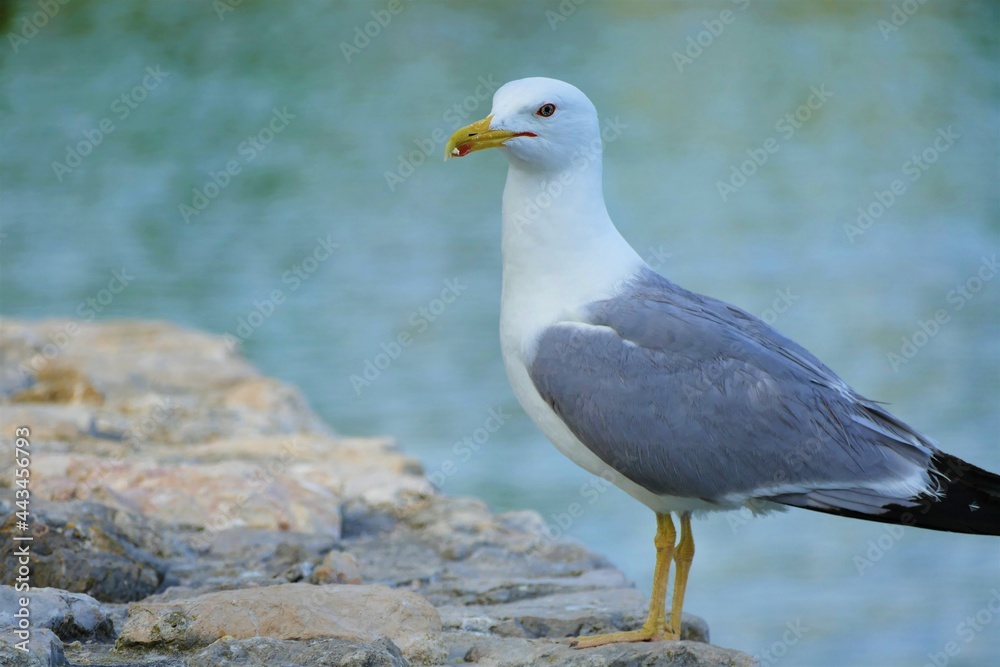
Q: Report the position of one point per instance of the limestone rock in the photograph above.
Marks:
(59, 384)
(296, 484)
(337, 568)
(71, 616)
(259, 651)
(155, 370)
(230, 494)
(49, 421)
(289, 611)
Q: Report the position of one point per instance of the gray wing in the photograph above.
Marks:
(689, 396)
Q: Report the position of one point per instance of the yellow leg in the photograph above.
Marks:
(683, 555)
(655, 628)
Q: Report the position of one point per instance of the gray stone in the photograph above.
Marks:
(562, 615)
(258, 651)
(105, 655)
(71, 616)
(493, 652)
(289, 611)
(87, 547)
(250, 555)
(337, 567)
(44, 649)
(458, 590)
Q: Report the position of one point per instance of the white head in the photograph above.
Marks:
(539, 124)
(560, 247)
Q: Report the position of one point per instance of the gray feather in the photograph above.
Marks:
(689, 396)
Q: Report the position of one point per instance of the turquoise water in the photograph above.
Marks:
(273, 172)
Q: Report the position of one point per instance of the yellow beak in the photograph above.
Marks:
(477, 137)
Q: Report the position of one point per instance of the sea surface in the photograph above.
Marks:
(272, 171)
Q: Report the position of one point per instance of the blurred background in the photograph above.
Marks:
(273, 171)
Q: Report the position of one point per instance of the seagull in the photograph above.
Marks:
(687, 403)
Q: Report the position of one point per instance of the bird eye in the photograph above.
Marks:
(546, 110)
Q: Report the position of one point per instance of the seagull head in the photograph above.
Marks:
(538, 124)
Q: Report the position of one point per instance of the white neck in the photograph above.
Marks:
(560, 248)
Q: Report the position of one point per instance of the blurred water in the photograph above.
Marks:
(310, 122)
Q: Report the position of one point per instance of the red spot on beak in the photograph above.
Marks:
(462, 149)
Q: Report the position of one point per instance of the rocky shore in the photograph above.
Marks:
(187, 511)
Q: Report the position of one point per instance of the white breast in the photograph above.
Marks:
(523, 316)
(567, 254)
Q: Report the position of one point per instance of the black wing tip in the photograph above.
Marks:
(967, 500)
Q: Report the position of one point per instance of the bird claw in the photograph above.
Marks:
(641, 635)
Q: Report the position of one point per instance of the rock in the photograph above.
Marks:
(458, 540)
(270, 546)
(319, 653)
(119, 354)
(337, 568)
(488, 590)
(492, 652)
(44, 649)
(289, 611)
(87, 547)
(71, 616)
(276, 556)
(137, 414)
(296, 484)
(561, 615)
(230, 494)
(50, 421)
(155, 370)
(59, 384)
